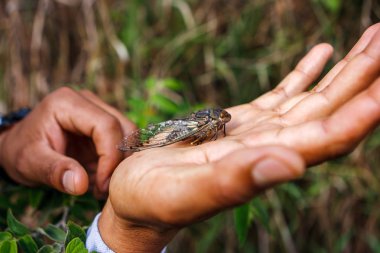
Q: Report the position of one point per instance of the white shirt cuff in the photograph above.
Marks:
(94, 241)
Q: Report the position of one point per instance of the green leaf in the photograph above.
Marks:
(374, 140)
(163, 103)
(15, 226)
(214, 229)
(76, 246)
(53, 232)
(260, 213)
(241, 217)
(8, 246)
(292, 189)
(172, 84)
(13, 248)
(150, 83)
(4, 246)
(4, 202)
(342, 242)
(374, 243)
(27, 244)
(5, 236)
(74, 231)
(47, 249)
(136, 104)
(35, 197)
(332, 5)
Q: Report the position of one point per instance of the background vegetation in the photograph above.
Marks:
(160, 58)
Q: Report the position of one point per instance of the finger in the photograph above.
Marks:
(92, 121)
(231, 181)
(356, 76)
(128, 126)
(306, 71)
(338, 134)
(358, 48)
(55, 170)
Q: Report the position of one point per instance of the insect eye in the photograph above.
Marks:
(225, 116)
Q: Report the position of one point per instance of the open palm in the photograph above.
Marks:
(169, 187)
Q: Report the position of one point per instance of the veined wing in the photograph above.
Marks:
(162, 134)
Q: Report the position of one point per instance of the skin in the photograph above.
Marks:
(156, 192)
(63, 143)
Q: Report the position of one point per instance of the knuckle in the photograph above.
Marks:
(63, 91)
(87, 93)
(303, 73)
(112, 123)
(49, 172)
(53, 172)
(58, 95)
(281, 92)
(48, 101)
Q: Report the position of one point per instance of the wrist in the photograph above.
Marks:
(122, 235)
(7, 122)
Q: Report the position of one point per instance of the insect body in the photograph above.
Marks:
(198, 127)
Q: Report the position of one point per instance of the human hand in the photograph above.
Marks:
(68, 141)
(155, 192)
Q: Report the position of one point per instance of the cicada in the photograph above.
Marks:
(196, 128)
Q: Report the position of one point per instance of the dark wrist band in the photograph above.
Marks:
(10, 118)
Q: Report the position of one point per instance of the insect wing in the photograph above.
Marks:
(161, 134)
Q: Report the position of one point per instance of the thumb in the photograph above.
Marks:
(58, 171)
(242, 174)
(209, 188)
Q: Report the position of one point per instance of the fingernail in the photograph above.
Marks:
(270, 171)
(69, 181)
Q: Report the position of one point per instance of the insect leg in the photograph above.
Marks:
(199, 140)
(200, 137)
(215, 136)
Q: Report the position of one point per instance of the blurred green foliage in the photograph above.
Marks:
(159, 102)
(18, 238)
(162, 59)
